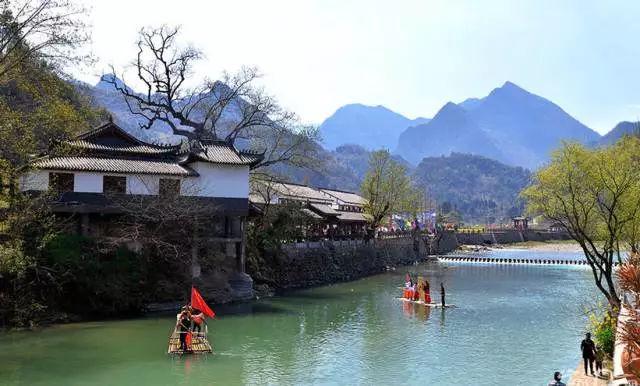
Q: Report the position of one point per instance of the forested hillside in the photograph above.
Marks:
(480, 189)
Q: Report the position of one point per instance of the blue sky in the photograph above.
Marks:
(410, 56)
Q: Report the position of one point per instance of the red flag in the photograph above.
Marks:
(198, 302)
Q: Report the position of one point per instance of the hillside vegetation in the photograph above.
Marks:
(480, 189)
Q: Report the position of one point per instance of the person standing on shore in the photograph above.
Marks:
(442, 294)
(588, 348)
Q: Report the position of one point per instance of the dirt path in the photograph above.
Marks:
(579, 379)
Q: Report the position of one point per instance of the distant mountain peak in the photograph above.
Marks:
(510, 85)
(450, 110)
(621, 129)
(106, 82)
(372, 127)
(510, 90)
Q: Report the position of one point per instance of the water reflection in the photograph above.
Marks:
(415, 311)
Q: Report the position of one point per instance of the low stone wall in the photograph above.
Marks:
(312, 264)
(309, 264)
(450, 241)
(509, 237)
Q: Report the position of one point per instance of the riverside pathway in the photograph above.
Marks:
(579, 379)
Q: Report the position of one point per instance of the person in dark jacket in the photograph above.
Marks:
(588, 348)
(557, 377)
(442, 294)
(184, 327)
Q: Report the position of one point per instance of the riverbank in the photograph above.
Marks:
(548, 246)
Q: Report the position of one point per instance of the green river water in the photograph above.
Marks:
(514, 325)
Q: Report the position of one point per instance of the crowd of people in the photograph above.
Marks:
(189, 321)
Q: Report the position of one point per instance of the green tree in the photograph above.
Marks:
(595, 195)
(38, 109)
(388, 189)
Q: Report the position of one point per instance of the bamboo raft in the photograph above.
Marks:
(199, 344)
(432, 305)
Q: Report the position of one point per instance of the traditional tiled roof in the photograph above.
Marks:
(311, 213)
(132, 149)
(347, 197)
(299, 192)
(114, 165)
(109, 148)
(224, 153)
(354, 216)
(324, 209)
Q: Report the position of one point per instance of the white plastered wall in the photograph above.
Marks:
(215, 180)
(87, 182)
(143, 184)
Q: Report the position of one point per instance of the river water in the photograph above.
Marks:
(513, 325)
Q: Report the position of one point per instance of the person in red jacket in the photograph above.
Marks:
(198, 320)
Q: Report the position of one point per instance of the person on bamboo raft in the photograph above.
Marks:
(426, 289)
(197, 318)
(184, 326)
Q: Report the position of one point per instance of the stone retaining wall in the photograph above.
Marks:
(309, 264)
(312, 264)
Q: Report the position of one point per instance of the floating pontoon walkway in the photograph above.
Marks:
(500, 260)
(199, 344)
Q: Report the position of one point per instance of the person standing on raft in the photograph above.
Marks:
(198, 321)
(184, 328)
(442, 294)
(426, 289)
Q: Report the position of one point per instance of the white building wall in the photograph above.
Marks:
(87, 182)
(143, 184)
(229, 181)
(215, 180)
(35, 180)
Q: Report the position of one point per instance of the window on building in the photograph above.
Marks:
(169, 187)
(114, 184)
(61, 182)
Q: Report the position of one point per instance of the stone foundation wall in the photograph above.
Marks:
(312, 264)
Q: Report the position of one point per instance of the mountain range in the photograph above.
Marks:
(510, 125)
(372, 127)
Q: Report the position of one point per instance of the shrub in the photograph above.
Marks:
(602, 323)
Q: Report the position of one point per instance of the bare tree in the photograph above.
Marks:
(173, 225)
(50, 30)
(233, 108)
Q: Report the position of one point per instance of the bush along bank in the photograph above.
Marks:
(75, 278)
